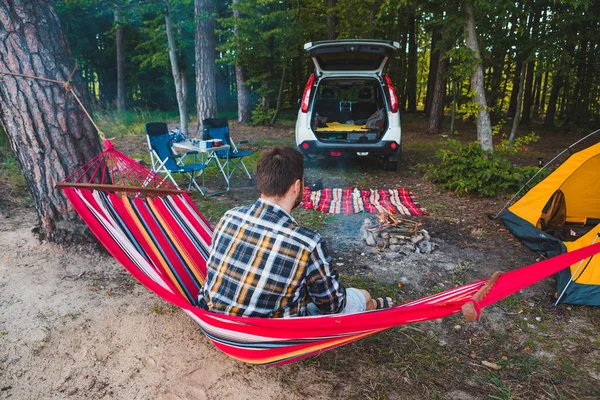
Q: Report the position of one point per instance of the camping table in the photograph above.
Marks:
(209, 154)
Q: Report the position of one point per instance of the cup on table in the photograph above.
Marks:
(218, 142)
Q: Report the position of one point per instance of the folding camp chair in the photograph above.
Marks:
(165, 161)
(218, 128)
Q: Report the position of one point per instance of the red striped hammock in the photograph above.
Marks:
(162, 239)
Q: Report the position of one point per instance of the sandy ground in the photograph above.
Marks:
(73, 324)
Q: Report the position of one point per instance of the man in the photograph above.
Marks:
(262, 264)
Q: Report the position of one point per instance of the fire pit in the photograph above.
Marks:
(395, 234)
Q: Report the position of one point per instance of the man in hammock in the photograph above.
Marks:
(263, 264)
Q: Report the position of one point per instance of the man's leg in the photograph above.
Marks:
(358, 300)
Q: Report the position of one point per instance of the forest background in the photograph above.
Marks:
(550, 47)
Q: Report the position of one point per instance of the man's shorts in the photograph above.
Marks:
(355, 303)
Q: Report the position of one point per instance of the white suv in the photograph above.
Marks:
(350, 107)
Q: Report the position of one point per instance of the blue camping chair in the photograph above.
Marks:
(165, 161)
(218, 128)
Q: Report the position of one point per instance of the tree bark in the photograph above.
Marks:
(120, 44)
(484, 126)
(279, 99)
(206, 86)
(514, 95)
(332, 20)
(175, 70)
(551, 110)
(402, 61)
(244, 99)
(517, 118)
(436, 117)
(434, 55)
(47, 129)
(528, 94)
(411, 84)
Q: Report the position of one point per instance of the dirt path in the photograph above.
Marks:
(74, 324)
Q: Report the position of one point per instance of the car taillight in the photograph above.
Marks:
(393, 145)
(335, 153)
(392, 93)
(306, 95)
(305, 145)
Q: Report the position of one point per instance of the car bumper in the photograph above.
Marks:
(319, 149)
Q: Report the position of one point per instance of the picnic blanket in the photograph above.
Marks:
(353, 200)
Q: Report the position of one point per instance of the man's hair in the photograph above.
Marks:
(277, 169)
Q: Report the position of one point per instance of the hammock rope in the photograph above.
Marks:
(68, 89)
(163, 240)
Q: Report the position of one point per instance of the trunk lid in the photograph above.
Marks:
(353, 55)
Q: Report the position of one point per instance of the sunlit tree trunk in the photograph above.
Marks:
(244, 99)
(120, 44)
(206, 86)
(484, 126)
(47, 129)
(179, 89)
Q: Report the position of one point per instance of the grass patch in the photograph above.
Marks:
(12, 180)
(131, 122)
(374, 287)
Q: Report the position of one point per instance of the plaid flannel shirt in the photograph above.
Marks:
(262, 264)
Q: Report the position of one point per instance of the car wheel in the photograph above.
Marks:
(390, 165)
(308, 162)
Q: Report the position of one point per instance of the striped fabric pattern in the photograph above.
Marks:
(351, 201)
(163, 242)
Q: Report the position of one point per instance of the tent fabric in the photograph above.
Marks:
(163, 241)
(537, 240)
(578, 179)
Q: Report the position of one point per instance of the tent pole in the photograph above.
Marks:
(540, 170)
(574, 273)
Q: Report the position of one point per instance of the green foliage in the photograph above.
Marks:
(467, 169)
(260, 116)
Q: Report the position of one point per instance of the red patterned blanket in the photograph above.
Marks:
(353, 200)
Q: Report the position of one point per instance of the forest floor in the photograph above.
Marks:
(74, 324)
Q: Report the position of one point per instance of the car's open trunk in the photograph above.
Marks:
(349, 110)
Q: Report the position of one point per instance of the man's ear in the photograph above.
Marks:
(298, 185)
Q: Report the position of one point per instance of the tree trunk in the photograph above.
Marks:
(206, 86)
(484, 126)
(279, 99)
(528, 94)
(544, 90)
(47, 129)
(537, 94)
(514, 95)
(244, 99)
(120, 44)
(411, 83)
(332, 20)
(179, 90)
(436, 117)
(517, 119)
(434, 55)
(402, 60)
(551, 110)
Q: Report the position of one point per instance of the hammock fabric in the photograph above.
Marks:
(352, 201)
(163, 241)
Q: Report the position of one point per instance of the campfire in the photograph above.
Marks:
(393, 233)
